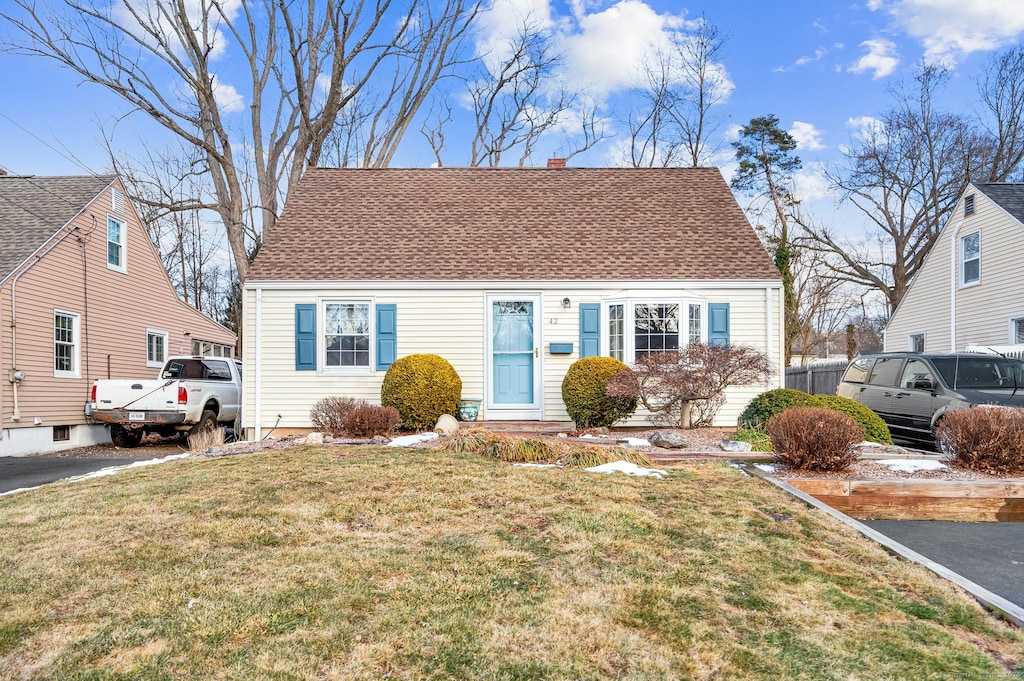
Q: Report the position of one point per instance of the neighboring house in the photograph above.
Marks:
(83, 295)
(969, 292)
(511, 274)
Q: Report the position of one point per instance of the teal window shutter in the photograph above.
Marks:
(718, 323)
(590, 329)
(387, 346)
(305, 337)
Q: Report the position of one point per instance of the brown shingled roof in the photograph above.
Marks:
(511, 224)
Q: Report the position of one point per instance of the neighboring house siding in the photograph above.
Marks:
(983, 310)
(114, 310)
(451, 323)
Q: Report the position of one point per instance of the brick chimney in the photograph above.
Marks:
(556, 163)
(2, 172)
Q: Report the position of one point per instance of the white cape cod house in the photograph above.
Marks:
(969, 293)
(511, 274)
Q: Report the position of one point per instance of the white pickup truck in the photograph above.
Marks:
(191, 394)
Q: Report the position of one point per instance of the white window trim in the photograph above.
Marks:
(76, 357)
(910, 341)
(1013, 331)
(321, 346)
(166, 337)
(629, 321)
(963, 261)
(123, 267)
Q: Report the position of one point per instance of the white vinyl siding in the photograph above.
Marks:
(451, 323)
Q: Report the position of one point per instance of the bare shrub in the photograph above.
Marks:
(684, 388)
(329, 414)
(983, 439)
(205, 439)
(814, 439)
(371, 421)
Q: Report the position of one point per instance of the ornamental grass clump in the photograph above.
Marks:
(514, 449)
(814, 439)
(987, 439)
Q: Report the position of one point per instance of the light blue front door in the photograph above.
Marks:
(512, 352)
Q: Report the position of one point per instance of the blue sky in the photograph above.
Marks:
(821, 67)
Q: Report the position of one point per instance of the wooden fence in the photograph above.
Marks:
(820, 377)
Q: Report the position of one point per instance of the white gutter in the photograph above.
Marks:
(258, 359)
(16, 415)
(953, 272)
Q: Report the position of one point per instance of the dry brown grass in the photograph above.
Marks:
(203, 440)
(368, 562)
(514, 449)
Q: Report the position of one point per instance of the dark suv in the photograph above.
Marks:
(911, 392)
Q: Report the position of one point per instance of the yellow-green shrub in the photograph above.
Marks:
(421, 388)
(585, 396)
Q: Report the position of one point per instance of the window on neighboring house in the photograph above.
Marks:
(916, 342)
(156, 348)
(115, 244)
(636, 329)
(969, 205)
(65, 344)
(208, 349)
(1017, 331)
(970, 258)
(346, 335)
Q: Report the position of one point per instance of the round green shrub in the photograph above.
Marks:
(770, 403)
(585, 396)
(421, 388)
(874, 427)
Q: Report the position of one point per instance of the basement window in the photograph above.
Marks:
(62, 433)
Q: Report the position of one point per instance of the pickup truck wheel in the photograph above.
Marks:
(207, 422)
(124, 437)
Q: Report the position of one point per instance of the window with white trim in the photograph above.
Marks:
(916, 342)
(65, 345)
(636, 328)
(116, 236)
(1017, 331)
(156, 348)
(346, 335)
(970, 258)
(209, 349)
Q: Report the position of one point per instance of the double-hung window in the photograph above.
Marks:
(156, 348)
(347, 332)
(970, 258)
(1017, 331)
(65, 345)
(637, 328)
(116, 236)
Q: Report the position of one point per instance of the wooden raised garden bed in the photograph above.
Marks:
(972, 500)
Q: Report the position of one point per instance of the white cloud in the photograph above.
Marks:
(228, 99)
(865, 127)
(951, 29)
(732, 133)
(810, 183)
(818, 54)
(807, 136)
(154, 19)
(881, 58)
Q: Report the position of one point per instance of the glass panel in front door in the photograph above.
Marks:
(512, 348)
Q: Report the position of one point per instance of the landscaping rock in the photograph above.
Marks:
(895, 450)
(666, 439)
(735, 446)
(315, 439)
(446, 425)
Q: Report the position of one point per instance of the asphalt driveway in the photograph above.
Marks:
(32, 471)
(989, 554)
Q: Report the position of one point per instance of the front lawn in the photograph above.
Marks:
(369, 563)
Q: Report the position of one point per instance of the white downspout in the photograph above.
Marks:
(954, 271)
(769, 331)
(258, 360)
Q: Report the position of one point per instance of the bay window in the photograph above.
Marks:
(637, 328)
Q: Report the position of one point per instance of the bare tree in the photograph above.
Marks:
(824, 304)
(1001, 87)
(305, 61)
(674, 122)
(516, 99)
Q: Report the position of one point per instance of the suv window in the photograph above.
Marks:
(981, 373)
(884, 371)
(914, 371)
(858, 370)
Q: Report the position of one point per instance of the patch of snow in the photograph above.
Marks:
(410, 440)
(114, 470)
(536, 465)
(766, 467)
(912, 465)
(17, 491)
(588, 436)
(636, 441)
(629, 469)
